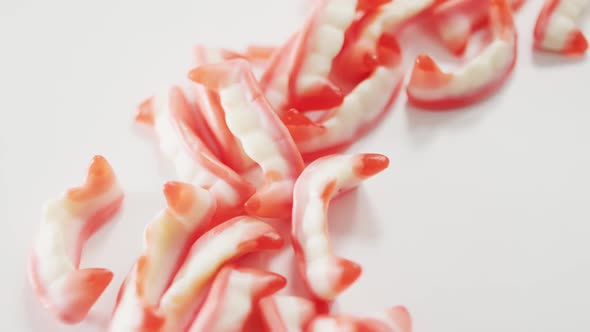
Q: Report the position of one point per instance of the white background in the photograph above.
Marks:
(482, 222)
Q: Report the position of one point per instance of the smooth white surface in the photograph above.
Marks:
(482, 222)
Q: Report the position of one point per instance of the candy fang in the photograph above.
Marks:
(556, 29)
(431, 88)
(63, 288)
(326, 275)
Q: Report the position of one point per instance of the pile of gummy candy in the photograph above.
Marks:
(251, 151)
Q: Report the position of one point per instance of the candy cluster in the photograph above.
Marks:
(253, 151)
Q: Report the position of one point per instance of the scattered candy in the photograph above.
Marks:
(238, 144)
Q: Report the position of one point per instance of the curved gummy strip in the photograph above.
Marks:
(318, 44)
(456, 20)
(395, 319)
(306, 60)
(221, 244)
(232, 298)
(284, 313)
(361, 109)
(167, 240)
(326, 276)
(261, 133)
(430, 88)
(63, 288)
(367, 44)
(556, 29)
(232, 153)
(193, 161)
